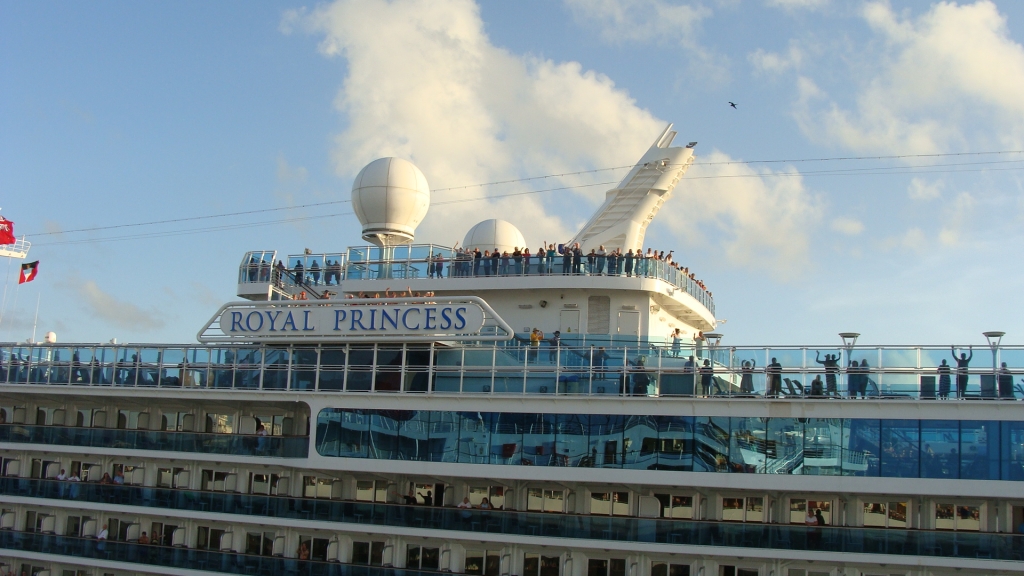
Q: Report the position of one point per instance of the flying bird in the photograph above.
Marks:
(733, 104)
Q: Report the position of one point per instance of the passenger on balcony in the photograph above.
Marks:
(747, 379)
(526, 260)
(613, 262)
(677, 338)
(505, 259)
(602, 259)
(774, 371)
(629, 262)
(577, 259)
(535, 337)
(143, 539)
(253, 269)
(478, 257)
(566, 260)
(485, 504)
(556, 342)
(961, 370)
(517, 261)
(707, 377)
(495, 262)
(831, 365)
(944, 380)
(314, 272)
(279, 274)
(298, 272)
(542, 260)
(597, 361)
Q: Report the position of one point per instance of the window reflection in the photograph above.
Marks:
(861, 447)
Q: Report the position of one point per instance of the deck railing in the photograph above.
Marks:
(577, 366)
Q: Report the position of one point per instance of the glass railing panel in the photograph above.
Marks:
(287, 447)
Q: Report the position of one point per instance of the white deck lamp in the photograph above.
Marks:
(994, 338)
(849, 339)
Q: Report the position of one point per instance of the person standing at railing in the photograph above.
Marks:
(629, 262)
(577, 258)
(517, 261)
(535, 337)
(592, 262)
(707, 377)
(555, 345)
(314, 272)
(526, 260)
(961, 370)
(698, 341)
(601, 257)
(298, 273)
(613, 262)
(831, 365)
(496, 261)
(542, 259)
(747, 378)
(677, 338)
(774, 371)
(944, 380)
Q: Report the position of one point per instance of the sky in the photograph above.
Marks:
(117, 114)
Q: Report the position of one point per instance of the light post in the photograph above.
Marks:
(849, 341)
(994, 338)
(713, 339)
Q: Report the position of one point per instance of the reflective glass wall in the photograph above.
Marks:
(972, 450)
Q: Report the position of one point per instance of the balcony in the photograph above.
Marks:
(228, 444)
(936, 544)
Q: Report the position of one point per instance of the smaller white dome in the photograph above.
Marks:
(50, 338)
(491, 234)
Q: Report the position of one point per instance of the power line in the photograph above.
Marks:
(868, 170)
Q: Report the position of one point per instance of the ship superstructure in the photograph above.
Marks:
(387, 409)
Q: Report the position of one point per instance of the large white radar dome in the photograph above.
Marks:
(390, 197)
(491, 234)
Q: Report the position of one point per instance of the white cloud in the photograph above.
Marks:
(766, 221)
(921, 189)
(957, 218)
(425, 83)
(848, 226)
(796, 4)
(108, 308)
(913, 239)
(951, 77)
(773, 63)
(640, 20)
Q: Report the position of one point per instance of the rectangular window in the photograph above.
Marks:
(537, 565)
(422, 558)
(750, 509)
(371, 490)
(483, 562)
(950, 516)
(220, 423)
(664, 569)
(885, 514)
(799, 508)
(542, 500)
(368, 553)
(675, 505)
(735, 571)
(495, 496)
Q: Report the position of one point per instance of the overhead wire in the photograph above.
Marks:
(871, 170)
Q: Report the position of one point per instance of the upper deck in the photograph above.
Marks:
(424, 267)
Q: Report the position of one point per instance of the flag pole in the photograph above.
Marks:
(36, 321)
(7, 282)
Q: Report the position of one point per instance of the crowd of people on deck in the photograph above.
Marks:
(471, 262)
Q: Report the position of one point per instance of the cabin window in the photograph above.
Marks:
(423, 558)
(885, 514)
(675, 506)
(495, 496)
(260, 543)
(538, 565)
(798, 508)
(372, 490)
(368, 553)
(749, 509)
(220, 423)
(543, 500)
(609, 503)
(602, 567)
(955, 516)
(483, 562)
(665, 569)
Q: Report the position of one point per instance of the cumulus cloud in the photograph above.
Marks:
(949, 77)
(108, 308)
(765, 221)
(921, 189)
(425, 83)
(848, 226)
(796, 4)
(640, 20)
(773, 63)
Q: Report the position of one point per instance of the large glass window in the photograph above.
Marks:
(749, 509)
(852, 447)
(665, 569)
(957, 516)
(483, 562)
(545, 500)
(675, 505)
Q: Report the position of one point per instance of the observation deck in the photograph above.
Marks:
(441, 268)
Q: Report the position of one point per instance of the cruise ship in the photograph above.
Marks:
(390, 410)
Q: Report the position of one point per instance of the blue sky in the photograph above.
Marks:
(119, 113)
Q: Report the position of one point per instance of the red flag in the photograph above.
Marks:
(6, 231)
(28, 272)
